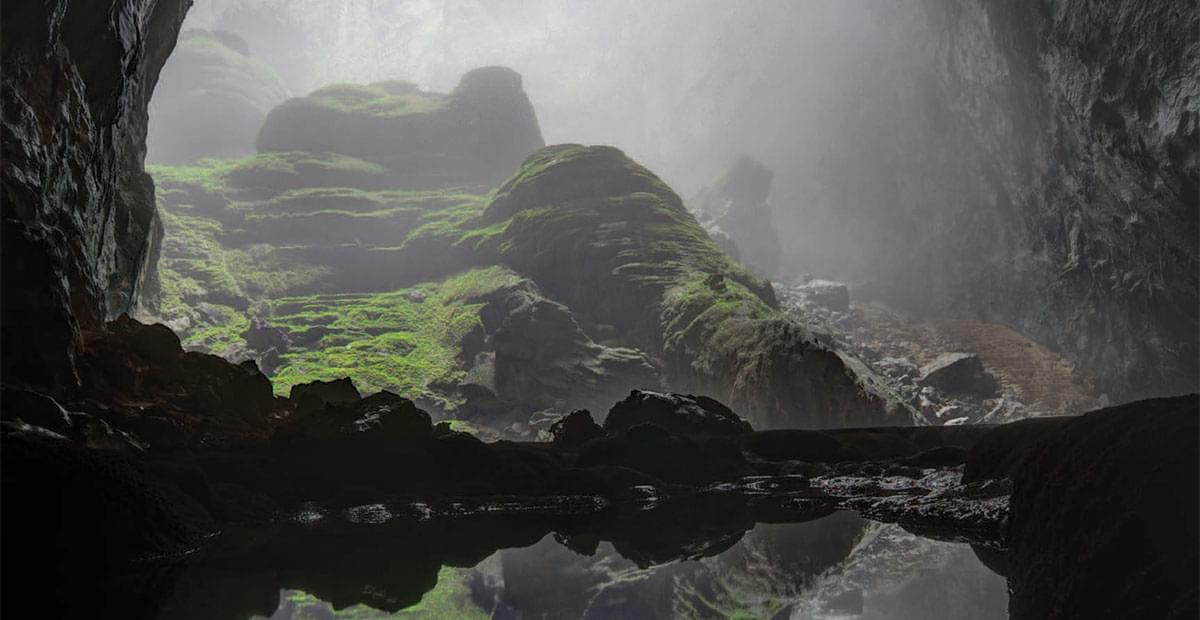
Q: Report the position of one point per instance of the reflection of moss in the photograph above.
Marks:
(399, 340)
(450, 598)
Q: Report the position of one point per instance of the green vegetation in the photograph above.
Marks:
(450, 598)
(229, 71)
(381, 100)
(399, 341)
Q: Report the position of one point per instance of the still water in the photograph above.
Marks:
(833, 566)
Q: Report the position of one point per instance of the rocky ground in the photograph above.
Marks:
(951, 371)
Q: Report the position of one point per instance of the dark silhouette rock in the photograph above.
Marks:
(676, 413)
(669, 457)
(961, 373)
(575, 429)
(1104, 516)
(317, 394)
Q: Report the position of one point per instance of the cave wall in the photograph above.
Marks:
(1066, 136)
(1027, 163)
(79, 221)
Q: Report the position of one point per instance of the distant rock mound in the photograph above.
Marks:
(211, 99)
(735, 208)
(475, 135)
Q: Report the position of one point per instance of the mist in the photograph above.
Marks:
(600, 308)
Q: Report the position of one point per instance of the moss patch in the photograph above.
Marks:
(399, 341)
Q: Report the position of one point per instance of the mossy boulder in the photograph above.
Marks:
(606, 237)
(475, 135)
(211, 99)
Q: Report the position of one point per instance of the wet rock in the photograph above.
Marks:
(652, 450)
(959, 373)
(80, 226)
(677, 413)
(575, 429)
(35, 409)
(1104, 515)
(944, 456)
(833, 296)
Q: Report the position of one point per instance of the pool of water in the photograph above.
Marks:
(833, 566)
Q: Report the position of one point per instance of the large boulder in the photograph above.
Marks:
(678, 413)
(606, 237)
(474, 135)
(736, 205)
(959, 373)
(211, 100)
(1104, 513)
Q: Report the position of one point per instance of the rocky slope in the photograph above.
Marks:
(211, 100)
(78, 210)
(735, 207)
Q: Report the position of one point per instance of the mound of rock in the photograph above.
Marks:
(606, 237)
(211, 100)
(961, 373)
(736, 206)
(474, 135)
(677, 413)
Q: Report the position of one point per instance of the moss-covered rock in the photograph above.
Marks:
(474, 135)
(605, 236)
(211, 99)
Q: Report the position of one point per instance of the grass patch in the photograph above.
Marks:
(380, 100)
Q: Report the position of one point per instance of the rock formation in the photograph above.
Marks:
(735, 206)
(212, 99)
(79, 222)
(474, 135)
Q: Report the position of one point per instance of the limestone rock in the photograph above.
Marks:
(961, 373)
(678, 413)
(737, 205)
(474, 135)
(211, 100)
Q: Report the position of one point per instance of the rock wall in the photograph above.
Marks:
(1034, 165)
(78, 209)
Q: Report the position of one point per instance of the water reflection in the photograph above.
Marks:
(832, 566)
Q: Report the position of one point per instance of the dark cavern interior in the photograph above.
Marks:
(875, 310)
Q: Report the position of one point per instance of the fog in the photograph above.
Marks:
(682, 86)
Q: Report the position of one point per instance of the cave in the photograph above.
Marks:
(361, 309)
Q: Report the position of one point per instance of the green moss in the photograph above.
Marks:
(400, 340)
(381, 100)
(228, 71)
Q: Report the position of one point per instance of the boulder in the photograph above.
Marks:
(321, 393)
(261, 336)
(959, 373)
(1103, 516)
(600, 233)
(575, 429)
(830, 295)
(677, 413)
